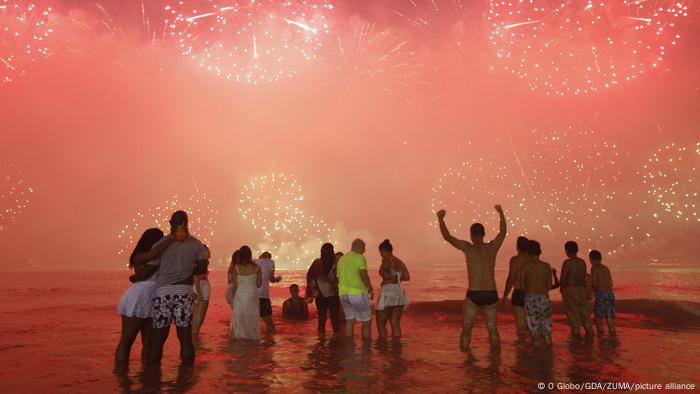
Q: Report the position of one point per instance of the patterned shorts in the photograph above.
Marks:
(604, 304)
(173, 304)
(538, 311)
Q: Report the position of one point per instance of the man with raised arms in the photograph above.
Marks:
(481, 262)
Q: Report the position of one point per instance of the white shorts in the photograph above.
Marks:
(206, 289)
(356, 307)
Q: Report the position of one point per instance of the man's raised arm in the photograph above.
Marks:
(502, 226)
(457, 243)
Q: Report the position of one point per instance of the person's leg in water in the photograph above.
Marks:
(184, 335)
(611, 325)
(269, 324)
(367, 329)
(491, 312)
(520, 323)
(470, 312)
(146, 339)
(395, 320)
(349, 327)
(334, 309)
(599, 325)
(200, 312)
(321, 310)
(130, 330)
(160, 335)
(266, 314)
(382, 318)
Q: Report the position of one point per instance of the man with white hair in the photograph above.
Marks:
(355, 289)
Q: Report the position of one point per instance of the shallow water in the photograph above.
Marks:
(60, 331)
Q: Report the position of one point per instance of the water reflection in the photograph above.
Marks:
(149, 378)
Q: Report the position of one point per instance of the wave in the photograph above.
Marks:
(647, 313)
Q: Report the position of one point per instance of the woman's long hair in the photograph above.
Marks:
(245, 255)
(327, 257)
(146, 242)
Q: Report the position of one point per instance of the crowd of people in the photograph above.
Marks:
(171, 287)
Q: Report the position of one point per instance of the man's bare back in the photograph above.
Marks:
(573, 273)
(536, 278)
(602, 279)
(516, 266)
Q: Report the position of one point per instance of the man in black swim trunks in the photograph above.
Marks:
(481, 262)
(513, 282)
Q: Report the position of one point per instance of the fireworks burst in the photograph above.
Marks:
(379, 60)
(200, 212)
(581, 46)
(14, 196)
(670, 176)
(274, 205)
(469, 192)
(434, 18)
(253, 41)
(24, 29)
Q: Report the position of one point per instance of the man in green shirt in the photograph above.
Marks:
(355, 290)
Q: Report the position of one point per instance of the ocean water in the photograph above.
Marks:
(60, 329)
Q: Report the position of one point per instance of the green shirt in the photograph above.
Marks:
(349, 279)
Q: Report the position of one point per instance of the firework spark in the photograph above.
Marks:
(249, 41)
(14, 196)
(273, 204)
(24, 31)
(578, 47)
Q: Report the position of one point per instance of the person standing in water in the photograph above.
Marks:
(135, 306)
(392, 297)
(229, 278)
(322, 286)
(247, 279)
(267, 269)
(481, 263)
(202, 289)
(174, 297)
(513, 282)
(537, 279)
(355, 289)
(574, 292)
(604, 296)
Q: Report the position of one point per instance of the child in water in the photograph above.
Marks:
(604, 296)
(295, 307)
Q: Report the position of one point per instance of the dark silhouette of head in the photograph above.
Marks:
(386, 248)
(521, 244)
(294, 290)
(358, 246)
(327, 257)
(245, 255)
(533, 248)
(571, 248)
(179, 218)
(234, 257)
(595, 256)
(477, 232)
(266, 255)
(145, 243)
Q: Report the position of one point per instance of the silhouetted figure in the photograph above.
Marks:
(267, 270)
(537, 279)
(392, 298)
(247, 279)
(481, 263)
(136, 306)
(574, 292)
(202, 289)
(604, 296)
(513, 282)
(322, 286)
(295, 307)
(174, 296)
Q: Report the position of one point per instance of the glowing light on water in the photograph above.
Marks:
(200, 211)
(274, 205)
(14, 196)
(253, 41)
(582, 46)
(670, 176)
(25, 27)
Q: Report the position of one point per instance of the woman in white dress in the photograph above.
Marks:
(136, 306)
(392, 297)
(246, 279)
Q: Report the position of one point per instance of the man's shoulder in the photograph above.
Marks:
(193, 240)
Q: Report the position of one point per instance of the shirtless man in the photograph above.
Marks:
(513, 281)
(537, 279)
(604, 296)
(481, 262)
(574, 292)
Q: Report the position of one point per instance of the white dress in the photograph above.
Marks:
(245, 322)
(137, 300)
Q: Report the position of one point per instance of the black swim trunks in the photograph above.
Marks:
(518, 298)
(265, 307)
(483, 297)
